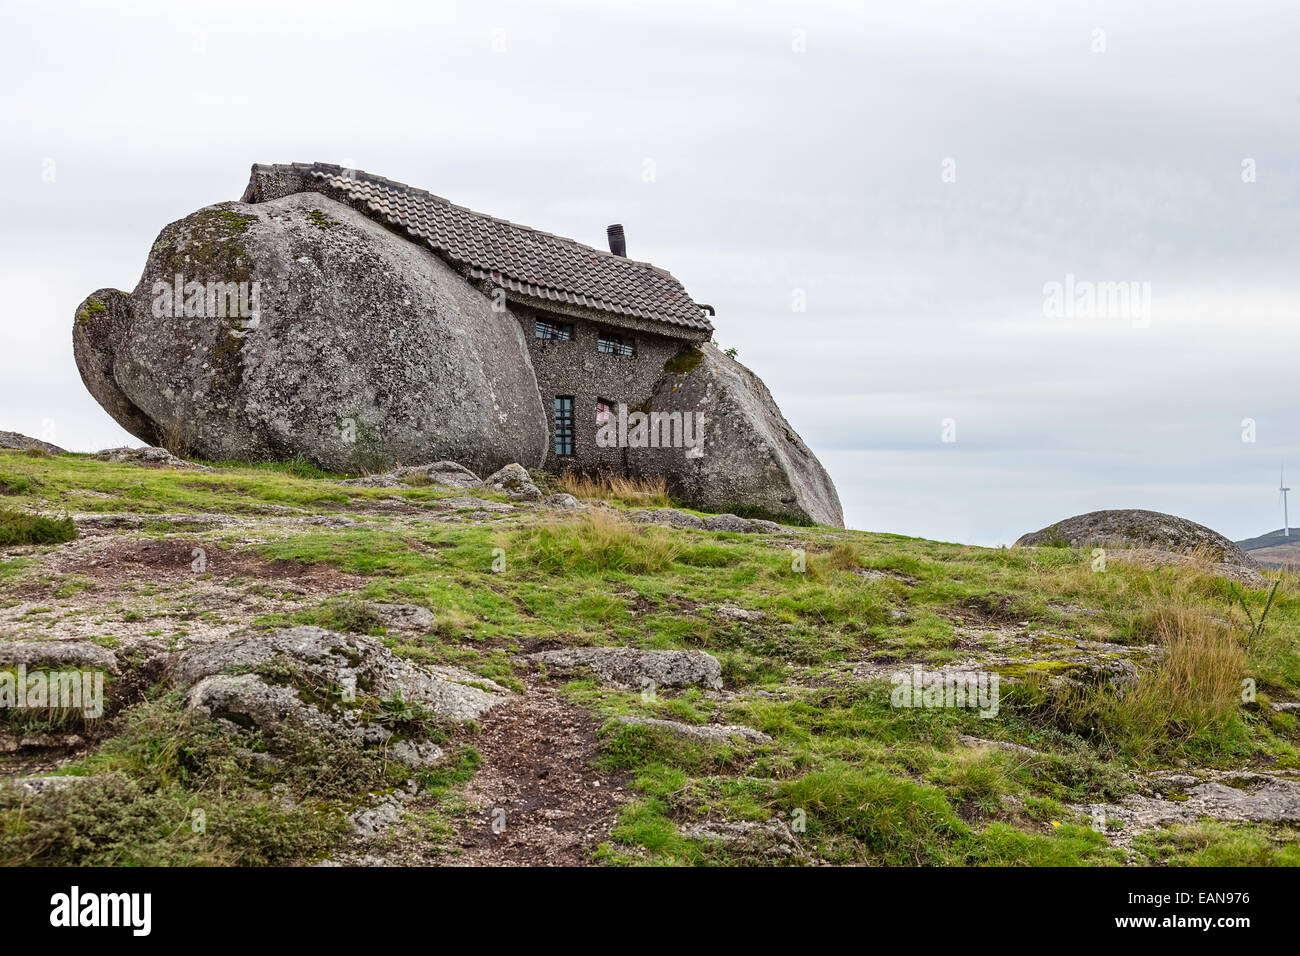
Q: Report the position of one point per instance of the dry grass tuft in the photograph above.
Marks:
(641, 492)
(1193, 693)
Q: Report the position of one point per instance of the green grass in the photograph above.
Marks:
(873, 783)
(19, 528)
(1221, 844)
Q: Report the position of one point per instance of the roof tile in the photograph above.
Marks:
(526, 261)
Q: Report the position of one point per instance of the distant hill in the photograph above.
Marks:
(1273, 550)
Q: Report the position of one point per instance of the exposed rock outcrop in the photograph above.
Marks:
(1235, 796)
(676, 518)
(514, 482)
(20, 442)
(1151, 538)
(258, 679)
(629, 667)
(303, 327)
(148, 455)
(53, 655)
(752, 461)
(447, 474)
(709, 733)
(1134, 528)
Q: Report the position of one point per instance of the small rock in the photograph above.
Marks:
(480, 506)
(51, 655)
(407, 618)
(668, 516)
(331, 521)
(414, 754)
(771, 837)
(729, 612)
(562, 502)
(447, 474)
(629, 667)
(1246, 797)
(712, 733)
(728, 522)
(369, 822)
(40, 742)
(970, 741)
(514, 482)
(148, 455)
(39, 785)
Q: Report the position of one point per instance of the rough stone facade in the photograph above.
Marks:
(577, 369)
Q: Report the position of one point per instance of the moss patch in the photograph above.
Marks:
(684, 361)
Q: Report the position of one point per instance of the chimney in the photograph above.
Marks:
(617, 244)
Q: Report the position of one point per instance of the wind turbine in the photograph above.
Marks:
(1282, 489)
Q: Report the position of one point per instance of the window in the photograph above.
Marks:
(559, 331)
(611, 343)
(604, 408)
(564, 425)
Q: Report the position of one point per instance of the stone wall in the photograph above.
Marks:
(576, 368)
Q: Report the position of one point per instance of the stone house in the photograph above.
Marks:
(600, 327)
(394, 327)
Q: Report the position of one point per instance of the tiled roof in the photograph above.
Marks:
(523, 261)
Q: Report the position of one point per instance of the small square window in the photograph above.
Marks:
(556, 331)
(611, 343)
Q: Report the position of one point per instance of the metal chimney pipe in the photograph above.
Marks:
(617, 243)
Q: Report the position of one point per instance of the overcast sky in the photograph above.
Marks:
(915, 173)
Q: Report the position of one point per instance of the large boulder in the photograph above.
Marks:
(752, 462)
(16, 441)
(305, 328)
(1134, 528)
(1153, 539)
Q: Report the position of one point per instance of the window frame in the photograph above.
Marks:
(619, 345)
(563, 427)
(554, 326)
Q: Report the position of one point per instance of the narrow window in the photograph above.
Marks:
(611, 343)
(564, 425)
(604, 408)
(558, 331)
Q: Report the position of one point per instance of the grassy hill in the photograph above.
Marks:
(1138, 720)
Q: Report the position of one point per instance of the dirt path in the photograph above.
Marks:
(536, 783)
